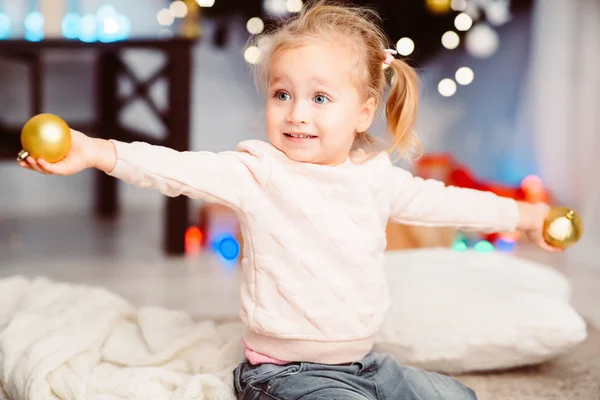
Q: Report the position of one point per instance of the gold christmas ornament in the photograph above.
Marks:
(45, 136)
(439, 6)
(191, 26)
(563, 227)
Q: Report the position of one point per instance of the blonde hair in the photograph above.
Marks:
(325, 20)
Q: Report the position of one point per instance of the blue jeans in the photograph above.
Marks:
(376, 377)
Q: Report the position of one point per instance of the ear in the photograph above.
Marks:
(367, 113)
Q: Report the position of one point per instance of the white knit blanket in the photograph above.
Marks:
(451, 312)
(61, 341)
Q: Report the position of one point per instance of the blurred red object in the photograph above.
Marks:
(193, 240)
(445, 168)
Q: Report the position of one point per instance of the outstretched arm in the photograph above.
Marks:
(217, 177)
(428, 202)
(417, 201)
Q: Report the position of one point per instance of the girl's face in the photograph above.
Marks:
(314, 109)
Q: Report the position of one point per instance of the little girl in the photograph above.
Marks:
(313, 205)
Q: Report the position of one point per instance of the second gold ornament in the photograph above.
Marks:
(45, 136)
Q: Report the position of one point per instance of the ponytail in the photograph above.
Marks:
(402, 108)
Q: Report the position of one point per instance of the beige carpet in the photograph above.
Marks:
(572, 376)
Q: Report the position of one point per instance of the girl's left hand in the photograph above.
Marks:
(531, 223)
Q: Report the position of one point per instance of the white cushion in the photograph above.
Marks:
(455, 312)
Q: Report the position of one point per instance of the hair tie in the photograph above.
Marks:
(389, 56)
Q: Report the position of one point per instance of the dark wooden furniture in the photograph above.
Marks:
(111, 65)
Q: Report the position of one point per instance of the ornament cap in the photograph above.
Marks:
(570, 214)
(23, 154)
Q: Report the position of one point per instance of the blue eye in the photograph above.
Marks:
(321, 99)
(283, 96)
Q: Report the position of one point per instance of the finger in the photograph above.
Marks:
(35, 166)
(32, 164)
(47, 167)
(549, 248)
(23, 164)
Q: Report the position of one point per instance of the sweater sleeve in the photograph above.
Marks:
(215, 177)
(428, 202)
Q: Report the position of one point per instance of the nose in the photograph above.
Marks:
(299, 113)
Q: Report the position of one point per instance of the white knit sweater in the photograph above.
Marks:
(314, 236)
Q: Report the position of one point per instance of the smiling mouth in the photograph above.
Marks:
(299, 135)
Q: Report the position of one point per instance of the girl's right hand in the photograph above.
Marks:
(85, 153)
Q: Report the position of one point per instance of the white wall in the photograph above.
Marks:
(565, 78)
